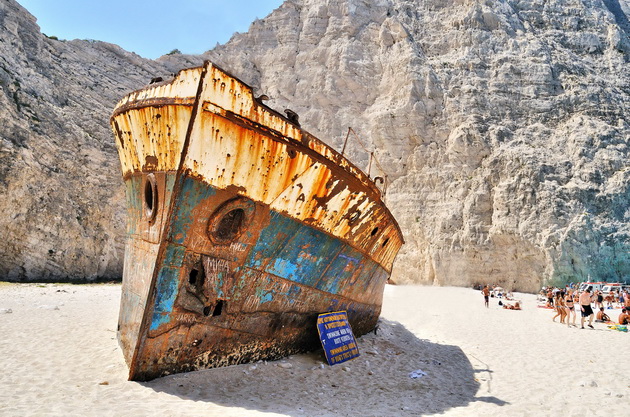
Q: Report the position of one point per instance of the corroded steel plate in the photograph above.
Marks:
(242, 228)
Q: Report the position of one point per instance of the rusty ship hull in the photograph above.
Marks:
(241, 229)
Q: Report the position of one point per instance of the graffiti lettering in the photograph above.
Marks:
(237, 247)
(217, 265)
(186, 318)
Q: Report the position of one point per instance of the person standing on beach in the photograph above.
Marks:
(550, 298)
(585, 305)
(559, 304)
(486, 294)
(600, 299)
(610, 298)
(568, 304)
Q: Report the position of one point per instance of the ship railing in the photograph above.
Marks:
(383, 181)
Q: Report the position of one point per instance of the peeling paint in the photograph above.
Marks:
(242, 228)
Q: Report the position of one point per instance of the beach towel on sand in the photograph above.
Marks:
(620, 327)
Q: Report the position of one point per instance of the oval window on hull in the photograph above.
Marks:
(230, 224)
(150, 197)
(230, 220)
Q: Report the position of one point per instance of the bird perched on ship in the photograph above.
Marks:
(292, 116)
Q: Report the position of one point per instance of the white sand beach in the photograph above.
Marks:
(59, 357)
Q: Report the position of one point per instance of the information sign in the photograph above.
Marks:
(337, 337)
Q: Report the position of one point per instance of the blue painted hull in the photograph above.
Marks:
(242, 228)
(255, 297)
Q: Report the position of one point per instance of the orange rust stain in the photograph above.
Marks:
(260, 165)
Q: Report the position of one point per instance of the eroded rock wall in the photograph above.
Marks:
(502, 127)
(62, 214)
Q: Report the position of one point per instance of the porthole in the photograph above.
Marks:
(292, 153)
(385, 242)
(230, 220)
(150, 197)
(374, 231)
(230, 224)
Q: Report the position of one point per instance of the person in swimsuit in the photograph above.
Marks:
(585, 306)
(559, 305)
(610, 298)
(516, 306)
(600, 299)
(601, 316)
(624, 317)
(549, 298)
(570, 307)
(486, 294)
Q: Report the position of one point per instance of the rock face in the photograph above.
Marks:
(62, 214)
(502, 127)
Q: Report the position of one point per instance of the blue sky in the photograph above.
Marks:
(149, 28)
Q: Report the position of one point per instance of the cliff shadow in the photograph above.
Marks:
(375, 384)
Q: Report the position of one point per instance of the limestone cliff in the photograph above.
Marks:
(62, 214)
(502, 126)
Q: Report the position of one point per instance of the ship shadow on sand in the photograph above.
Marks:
(376, 383)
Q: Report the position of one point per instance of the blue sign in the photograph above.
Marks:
(337, 337)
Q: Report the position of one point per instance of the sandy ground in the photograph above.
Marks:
(59, 356)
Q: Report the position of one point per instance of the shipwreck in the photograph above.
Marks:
(241, 229)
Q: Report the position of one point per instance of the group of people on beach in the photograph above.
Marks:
(500, 293)
(568, 302)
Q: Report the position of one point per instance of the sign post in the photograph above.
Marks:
(337, 338)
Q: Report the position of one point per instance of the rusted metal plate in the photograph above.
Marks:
(242, 228)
